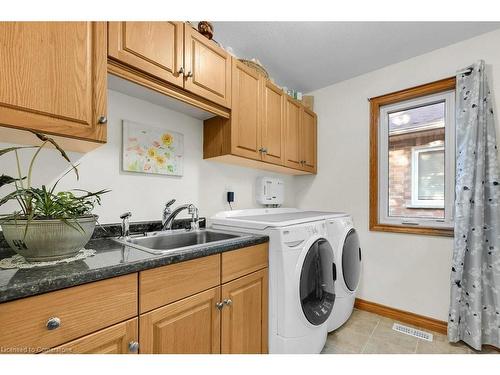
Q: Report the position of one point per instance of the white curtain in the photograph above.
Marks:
(475, 275)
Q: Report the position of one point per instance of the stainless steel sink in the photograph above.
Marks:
(166, 241)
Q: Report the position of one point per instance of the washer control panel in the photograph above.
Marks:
(295, 235)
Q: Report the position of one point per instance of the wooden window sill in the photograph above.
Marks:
(427, 231)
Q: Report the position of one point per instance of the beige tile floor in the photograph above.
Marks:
(369, 333)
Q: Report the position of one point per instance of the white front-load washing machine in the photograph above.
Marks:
(344, 239)
(301, 273)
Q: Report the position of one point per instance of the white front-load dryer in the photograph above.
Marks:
(345, 241)
(302, 288)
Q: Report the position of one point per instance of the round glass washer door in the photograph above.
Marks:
(351, 260)
(317, 284)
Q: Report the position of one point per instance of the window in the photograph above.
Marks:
(427, 177)
(412, 169)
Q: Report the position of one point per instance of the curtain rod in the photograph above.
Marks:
(465, 71)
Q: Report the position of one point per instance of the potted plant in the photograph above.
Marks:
(50, 225)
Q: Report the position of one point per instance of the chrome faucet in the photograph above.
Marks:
(169, 215)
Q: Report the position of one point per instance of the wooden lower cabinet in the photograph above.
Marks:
(244, 315)
(121, 338)
(234, 322)
(36, 324)
(231, 317)
(214, 304)
(188, 326)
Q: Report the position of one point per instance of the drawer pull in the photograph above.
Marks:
(133, 346)
(53, 323)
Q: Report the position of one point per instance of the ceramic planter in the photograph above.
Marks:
(48, 240)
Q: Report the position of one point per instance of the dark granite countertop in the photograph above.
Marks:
(112, 259)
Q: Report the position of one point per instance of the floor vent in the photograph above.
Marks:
(412, 332)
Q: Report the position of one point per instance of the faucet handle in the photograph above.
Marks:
(169, 203)
(125, 224)
(126, 215)
(193, 211)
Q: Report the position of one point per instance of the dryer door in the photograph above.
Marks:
(351, 260)
(317, 289)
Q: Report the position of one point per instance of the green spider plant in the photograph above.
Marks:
(44, 203)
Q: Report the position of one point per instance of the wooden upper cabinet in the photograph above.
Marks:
(207, 68)
(122, 338)
(272, 133)
(155, 48)
(292, 133)
(246, 112)
(188, 326)
(244, 315)
(54, 78)
(308, 140)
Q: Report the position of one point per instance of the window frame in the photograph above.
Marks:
(397, 99)
(415, 201)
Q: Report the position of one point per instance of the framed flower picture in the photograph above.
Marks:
(152, 149)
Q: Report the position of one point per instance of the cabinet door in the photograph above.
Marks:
(207, 68)
(188, 326)
(292, 133)
(308, 143)
(246, 112)
(272, 123)
(244, 315)
(121, 338)
(54, 77)
(155, 48)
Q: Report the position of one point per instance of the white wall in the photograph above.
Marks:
(204, 182)
(404, 271)
(409, 272)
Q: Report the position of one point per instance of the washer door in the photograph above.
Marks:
(317, 289)
(351, 260)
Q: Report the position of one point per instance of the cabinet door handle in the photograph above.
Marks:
(53, 323)
(189, 74)
(181, 71)
(133, 346)
(219, 305)
(228, 302)
(102, 120)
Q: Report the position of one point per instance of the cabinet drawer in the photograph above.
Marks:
(117, 339)
(163, 285)
(81, 310)
(241, 262)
